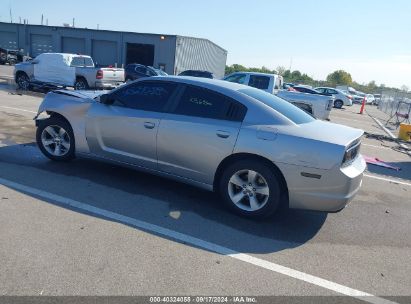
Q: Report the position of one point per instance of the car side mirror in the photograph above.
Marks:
(106, 99)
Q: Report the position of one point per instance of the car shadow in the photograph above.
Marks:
(156, 200)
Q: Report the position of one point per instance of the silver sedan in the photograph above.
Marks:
(256, 150)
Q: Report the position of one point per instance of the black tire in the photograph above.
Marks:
(338, 104)
(270, 177)
(81, 84)
(55, 122)
(23, 81)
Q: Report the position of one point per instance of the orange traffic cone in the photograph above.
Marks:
(362, 105)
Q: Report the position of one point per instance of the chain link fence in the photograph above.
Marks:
(397, 105)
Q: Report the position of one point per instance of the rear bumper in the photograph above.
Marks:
(347, 102)
(331, 193)
(107, 84)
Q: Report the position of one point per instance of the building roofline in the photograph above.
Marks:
(112, 31)
(85, 28)
(204, 39)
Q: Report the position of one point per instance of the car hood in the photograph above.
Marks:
(81, 94)
(325, 132)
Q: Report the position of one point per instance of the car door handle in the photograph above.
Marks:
(223, 134)
(149, 125)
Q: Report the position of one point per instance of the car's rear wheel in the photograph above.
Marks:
(338, 104)
(23, 81)
(55, 139)
(250, 188)
(80, 84)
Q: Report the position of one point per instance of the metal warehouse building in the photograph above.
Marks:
(172, 53)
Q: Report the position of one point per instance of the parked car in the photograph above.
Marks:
(377, 99)
(10, 57)
(67, 70)
(287, 85)
(135, 71)
(195, 73)
(370, 99)
(270, 83)
(359, 97)
(341, 98)
(304, 89)
(317, 105)
(239, 141)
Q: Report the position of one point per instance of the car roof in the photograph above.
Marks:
(255, 73)
(203, 81)
(70, 54)
(197, 71)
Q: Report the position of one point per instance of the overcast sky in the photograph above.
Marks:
(369, 39)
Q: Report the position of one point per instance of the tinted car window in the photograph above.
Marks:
(150, 73)
(285, 108)
(77, 62)
(332, 91)
(301, 89)
(88, 62)
(148, 96)
(237, 78)
(259, 82)
(202, 102)
(141, 70)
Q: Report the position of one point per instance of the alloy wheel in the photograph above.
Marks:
(55, 140)
(248, 190)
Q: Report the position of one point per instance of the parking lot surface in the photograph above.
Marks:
(90, 228)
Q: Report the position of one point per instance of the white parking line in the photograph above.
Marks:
(201, 244)
(18, 109)
(395, 181)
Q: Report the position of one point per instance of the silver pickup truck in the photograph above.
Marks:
(77, 71)
(318, 106)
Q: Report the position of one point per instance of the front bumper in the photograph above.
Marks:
(331, 192)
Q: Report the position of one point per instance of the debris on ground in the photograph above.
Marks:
(377, 162)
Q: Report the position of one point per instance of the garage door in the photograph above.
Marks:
(73, 45)
(41, 44)
(104, 52)
(8, 40)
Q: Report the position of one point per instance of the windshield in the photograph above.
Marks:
(285, 108)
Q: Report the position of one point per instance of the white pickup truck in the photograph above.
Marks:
(67, 70)
(317, 105)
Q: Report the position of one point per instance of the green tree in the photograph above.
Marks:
(339, 77)
(404, 88)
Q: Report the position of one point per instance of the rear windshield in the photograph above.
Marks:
(287, 109)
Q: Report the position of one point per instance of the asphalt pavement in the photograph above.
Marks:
(90, 228)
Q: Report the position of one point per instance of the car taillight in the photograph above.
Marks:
(351, 153)
(349, 96)
(99, 74)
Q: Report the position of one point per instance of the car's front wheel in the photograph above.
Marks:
(23, 81)
(55, 139)
(250, 188)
